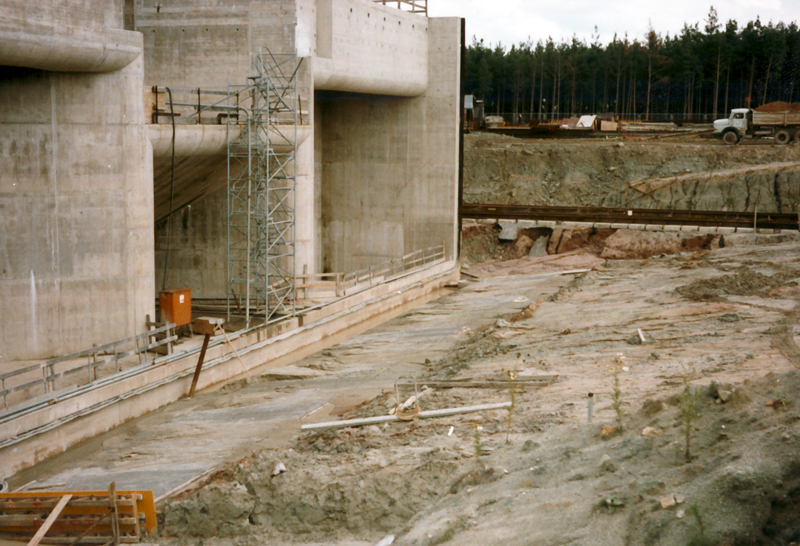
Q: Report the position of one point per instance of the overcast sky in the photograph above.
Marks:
(514, 21)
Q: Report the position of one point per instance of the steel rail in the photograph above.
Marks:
(768, 220)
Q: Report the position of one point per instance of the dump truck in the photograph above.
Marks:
(783, 126)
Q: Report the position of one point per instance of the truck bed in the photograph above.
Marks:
(776, 118)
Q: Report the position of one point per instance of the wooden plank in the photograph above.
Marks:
(89, 540)
(28, 504)
(66, 520)
(50, 520)
(93, 502)
(92, 526)
(112, 506)
(199, 366)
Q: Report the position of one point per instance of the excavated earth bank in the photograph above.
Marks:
(702, 174)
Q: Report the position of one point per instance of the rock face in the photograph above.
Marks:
(516, 171)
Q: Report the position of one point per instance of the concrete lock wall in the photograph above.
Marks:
(76, 207)
(69, 35)
(208, 44)
(389, 165)
(403, 121)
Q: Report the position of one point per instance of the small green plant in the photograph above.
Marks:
(617, 396)
(779, 399)
(688, 407)
(512, 393)
(699, 536)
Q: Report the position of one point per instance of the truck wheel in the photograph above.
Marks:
(730, 137)
(797, 136)
(783, 137)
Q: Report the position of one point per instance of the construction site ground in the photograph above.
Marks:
(721, 315)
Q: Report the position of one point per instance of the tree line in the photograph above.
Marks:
(700, 73)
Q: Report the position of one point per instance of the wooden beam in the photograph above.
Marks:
(49, 521)
(112, 506)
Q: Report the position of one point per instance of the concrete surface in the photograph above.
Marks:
(76, 211)
(30, 437)
(81, 194)
(68, 36)
(170, 446)
(379, 179)
(389, 165)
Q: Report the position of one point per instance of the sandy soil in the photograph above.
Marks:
(729, 316)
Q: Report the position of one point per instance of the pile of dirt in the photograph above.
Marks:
(484, 253)
(628, 244)
(481, 243)
(779, 106)
(335, 483)
(745, 282)
(565, 240)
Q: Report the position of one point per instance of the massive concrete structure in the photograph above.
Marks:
(87, 150)
(377, 168)
(105, 129)
(76, 198)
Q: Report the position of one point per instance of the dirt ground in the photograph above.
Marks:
(670, 333)
(725, 320)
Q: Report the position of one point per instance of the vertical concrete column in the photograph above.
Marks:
(76, 210)
(306, 204)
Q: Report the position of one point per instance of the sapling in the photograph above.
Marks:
(616, 393)
(688, 407)
(476, 442)
(512, 393)
(699, 537)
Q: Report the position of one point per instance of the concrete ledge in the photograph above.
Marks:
(65, 423)
(59, 49)
(206, 139)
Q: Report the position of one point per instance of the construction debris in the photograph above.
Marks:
(77, 517)
(392, 418)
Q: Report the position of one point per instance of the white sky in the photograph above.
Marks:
(513, 21)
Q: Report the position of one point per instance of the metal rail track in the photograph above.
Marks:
(765, 220)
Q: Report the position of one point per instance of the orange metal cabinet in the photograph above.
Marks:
(176, 305)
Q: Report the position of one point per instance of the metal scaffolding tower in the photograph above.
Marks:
(262, 160)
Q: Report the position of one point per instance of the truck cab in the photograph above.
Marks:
(733, 127)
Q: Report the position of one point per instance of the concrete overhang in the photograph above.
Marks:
(209, 140)
(200, 162)
(330, 75)
(364, 47)
(46, 45)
